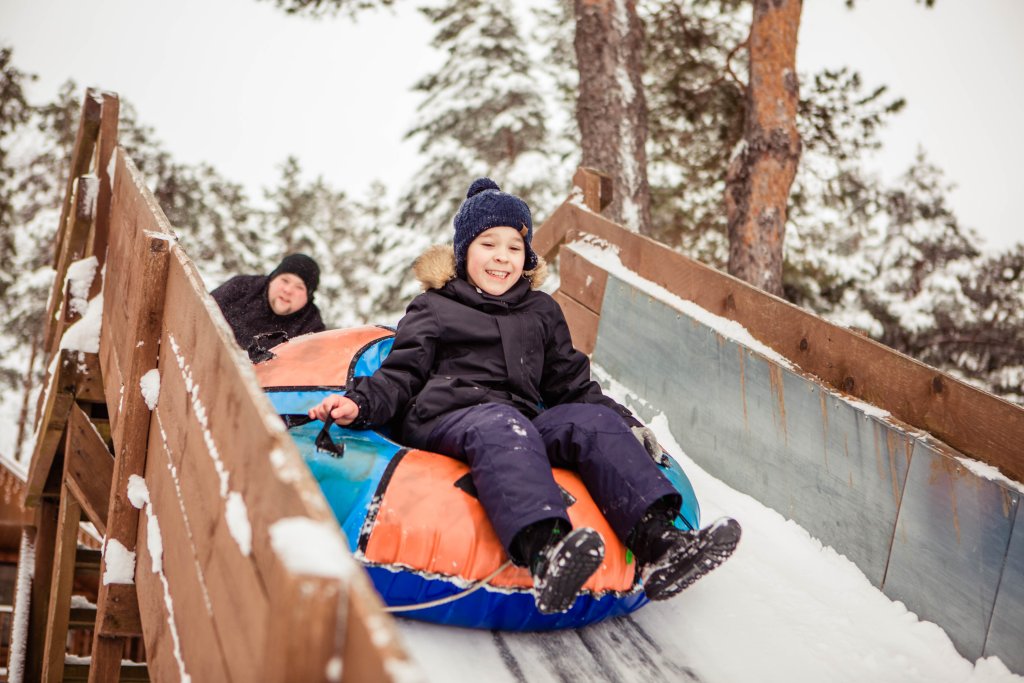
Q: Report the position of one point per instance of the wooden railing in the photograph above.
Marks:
(199, 484)
(972, 421)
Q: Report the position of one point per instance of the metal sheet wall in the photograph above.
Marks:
(846, 474)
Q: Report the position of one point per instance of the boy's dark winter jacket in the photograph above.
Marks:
(457, 347)
(243, 301)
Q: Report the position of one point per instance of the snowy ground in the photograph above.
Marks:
(784, 609)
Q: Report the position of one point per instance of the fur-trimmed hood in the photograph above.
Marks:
(436, 266)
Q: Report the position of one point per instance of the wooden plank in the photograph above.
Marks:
(582, 281)
(106, 146)
(82, 617)
(73, 245)
(121, 614)
(90, 468)
(551, 233)
(125, 673)
(60, 587)
(88, 378)
(192, 630)
(247, 433)
(39, 605)
(315, 607)
(582, 322)
(56, 405)
(598, 189)
(972, 421)
(81, 157)
(136, 223)
(372, 652)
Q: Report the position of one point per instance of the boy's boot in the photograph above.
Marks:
(562, 565)
(671, 559)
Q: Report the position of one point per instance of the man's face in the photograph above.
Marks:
(287, 293)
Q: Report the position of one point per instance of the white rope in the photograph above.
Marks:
(450, 598)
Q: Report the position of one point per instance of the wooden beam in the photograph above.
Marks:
(39, 605)
(551, 233)
(582, 322)
(73, 246)
(81, 157)
(56, 404)
(106, 148)
(120, 619)
(82, 617)
(598, 188)
(74, 375)
(59, 611)
(89, 468)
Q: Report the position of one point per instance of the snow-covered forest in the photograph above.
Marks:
(888, 259)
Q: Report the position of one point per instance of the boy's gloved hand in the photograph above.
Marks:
(646, 436)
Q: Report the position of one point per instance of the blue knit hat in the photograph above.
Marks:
(486, 206)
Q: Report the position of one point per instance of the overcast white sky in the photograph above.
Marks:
(241, 85)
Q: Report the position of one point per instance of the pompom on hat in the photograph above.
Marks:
(486, 206)
(303, 266)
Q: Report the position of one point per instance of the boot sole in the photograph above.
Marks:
(681, 573)
(576, 562)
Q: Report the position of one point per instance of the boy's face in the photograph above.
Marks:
(494, 260)
(287, 293)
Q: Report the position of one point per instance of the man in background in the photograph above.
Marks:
(278, 306)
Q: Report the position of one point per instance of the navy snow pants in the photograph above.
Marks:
(510, 459)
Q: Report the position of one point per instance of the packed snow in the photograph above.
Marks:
(784, 608)
(119, 563)
(149, 384)
(310, 547)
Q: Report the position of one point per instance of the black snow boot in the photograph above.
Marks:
(672, 559)
(562, 567)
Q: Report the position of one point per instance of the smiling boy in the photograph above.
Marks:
(483, 369)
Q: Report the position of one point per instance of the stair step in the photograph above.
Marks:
(82, 617)
(76, 672)
(87, 560)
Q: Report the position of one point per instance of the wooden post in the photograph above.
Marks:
(598, 190)
(105, 148)
(59, 610)
(46, 541)
(116, 601)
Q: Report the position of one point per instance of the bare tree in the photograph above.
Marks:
(762, 171)
(611, 109)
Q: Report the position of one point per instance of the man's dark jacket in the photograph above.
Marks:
(243, 301)
(457, 347)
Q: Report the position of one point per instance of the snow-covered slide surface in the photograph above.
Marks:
(910, 516)
(784, 608)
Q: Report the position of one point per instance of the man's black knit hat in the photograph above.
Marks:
(303, 266)
(486, 206)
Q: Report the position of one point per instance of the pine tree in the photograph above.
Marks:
(480, 115)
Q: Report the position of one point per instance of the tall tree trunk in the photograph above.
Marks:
(611, 109)
(760, 176)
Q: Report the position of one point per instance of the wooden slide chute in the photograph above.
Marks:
(191, 483)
